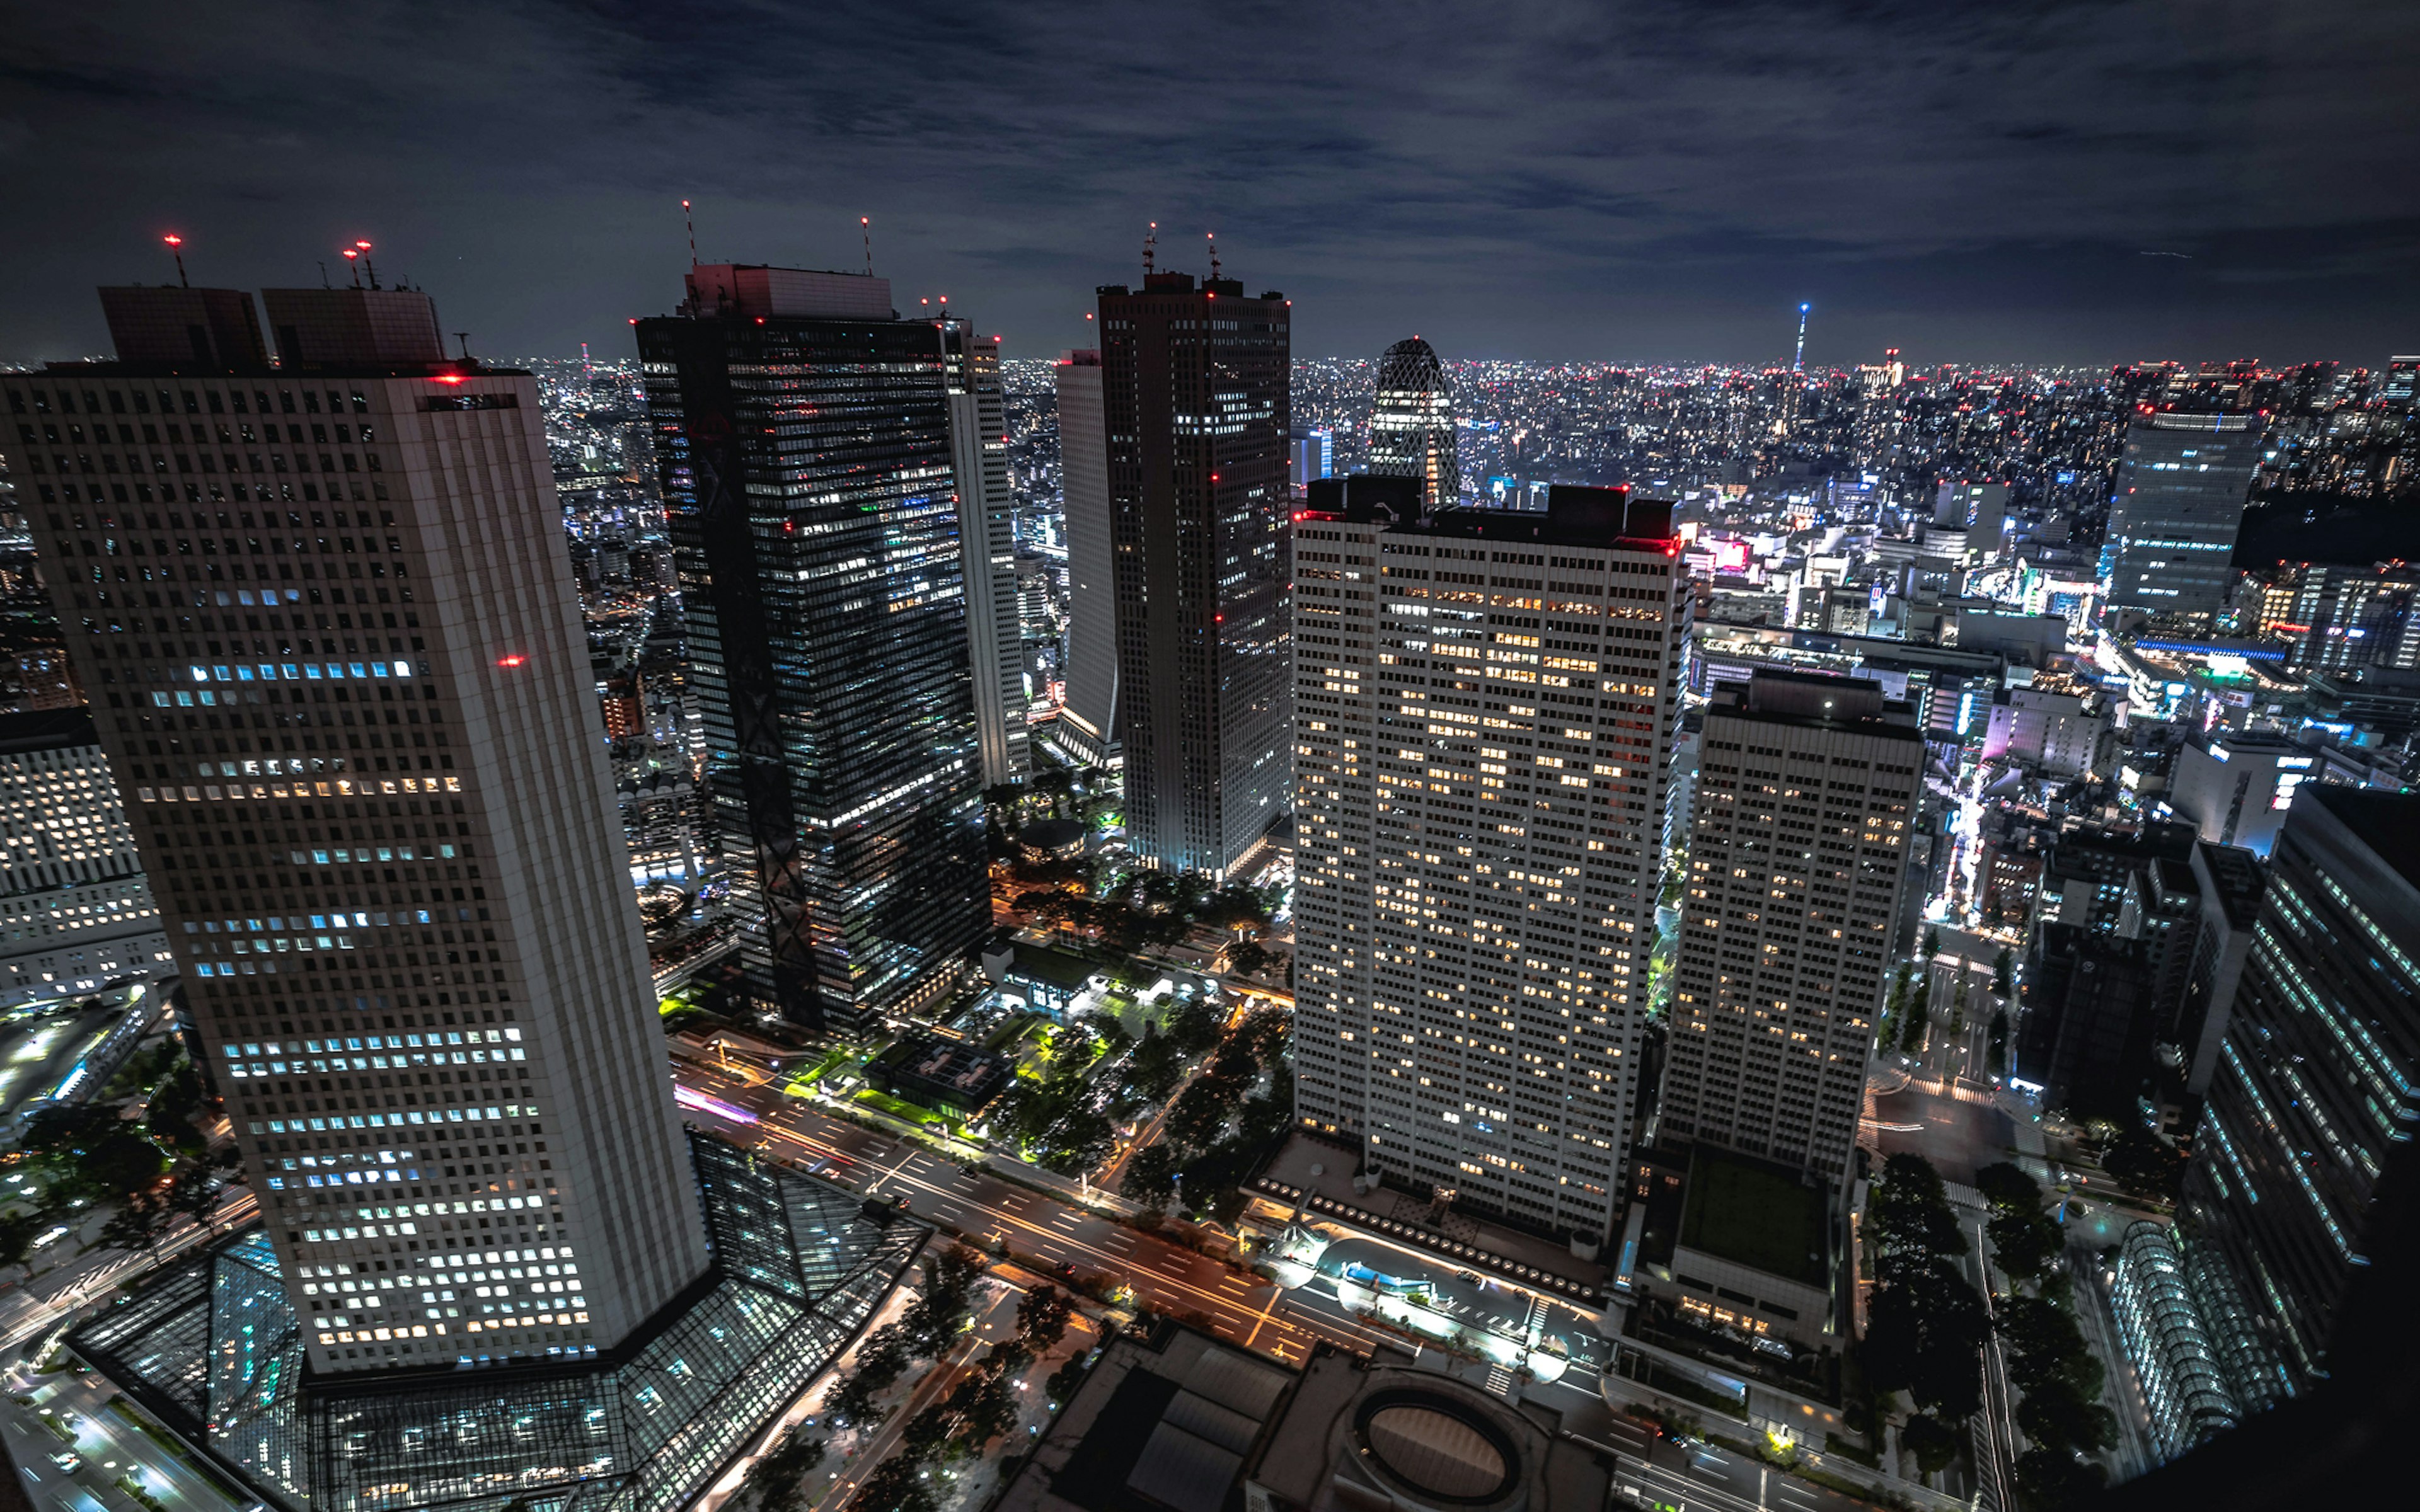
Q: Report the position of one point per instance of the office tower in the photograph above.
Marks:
(2313, 1094)
(802, 437)
(1314, 454)
(75, 910)
(2402, 384)
(326, 742)
(2177, 508)
(2340, 620)
(1193, 399)
(2085, 1040)
(1806, 797)
(1979, 509)
(1486, 704)
(1088, 724)
(988, 556)
(330, 612)
(1411, 424)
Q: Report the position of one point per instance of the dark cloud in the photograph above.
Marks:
(1642, 181)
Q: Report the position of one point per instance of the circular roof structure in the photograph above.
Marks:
(1051, 835)
(1437, 1447)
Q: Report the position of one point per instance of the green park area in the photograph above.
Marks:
(1755, 1216)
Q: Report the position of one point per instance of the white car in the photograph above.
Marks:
(51, 1236)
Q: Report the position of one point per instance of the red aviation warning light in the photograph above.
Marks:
(516, 659)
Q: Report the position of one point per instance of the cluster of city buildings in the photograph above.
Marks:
(1616, 812)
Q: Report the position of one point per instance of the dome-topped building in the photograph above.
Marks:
(1411, 425)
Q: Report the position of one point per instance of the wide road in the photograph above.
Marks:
(1165, 1277)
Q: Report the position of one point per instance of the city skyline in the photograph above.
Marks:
(1543, 184)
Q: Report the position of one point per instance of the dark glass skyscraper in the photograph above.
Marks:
(802, 434)
(2315, 1092)
(1193, 382)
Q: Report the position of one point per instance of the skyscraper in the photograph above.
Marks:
(1411, 424)
(988, 553)
(2313, 1100)
(1088, 725)
(1193, 384)
(1486, 703)
(2178, 509)
(346, 690)
(1806, 797)
(804, 443)
(75, 909)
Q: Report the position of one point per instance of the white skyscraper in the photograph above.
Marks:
(349, 706)
(987, 545)
(1088, 725)
(1485, 708)
(1806, 792)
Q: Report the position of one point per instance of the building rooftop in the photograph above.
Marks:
(46, 730)
(2388, 822)
(1754, 1214)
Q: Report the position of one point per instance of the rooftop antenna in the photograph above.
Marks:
(865, 225)
(1150, 248)
(353, 261)
(177, 250)
(367, 263)
(1213, 255)
(323, 275)
(691, 221)
(1798, 363)
(464, 337)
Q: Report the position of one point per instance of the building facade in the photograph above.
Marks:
(328, 611)
(1486, 708)
(1194, 396)
(1807, 803)
(805, 444)
(2315, 1092)
(2177, 510)
(1411, 424)
(1088, 723)
(988, 555)
(75, 909)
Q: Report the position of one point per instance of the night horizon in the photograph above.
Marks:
(1661, 185)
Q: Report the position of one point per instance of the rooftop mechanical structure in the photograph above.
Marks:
(1411, 424)
(213, 1349)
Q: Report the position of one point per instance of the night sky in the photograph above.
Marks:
(1654, 182)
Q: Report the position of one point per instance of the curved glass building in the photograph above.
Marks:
(1411, 425)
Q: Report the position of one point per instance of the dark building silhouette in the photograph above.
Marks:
(2089, 1022)
(803, 438)
(1194, 408)
(2314, 1094)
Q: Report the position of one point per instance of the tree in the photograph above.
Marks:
(1064, 1379)
(1151, 1175)
(1200, 1113)
(1913, 1222)
(2044, 1342)
(1249, 958)
(1042, 1317)
(1918, 1018)
(2023, 1242)
(2048, 1480)
(2144, 1163)
(897, 1484)
(1924, 1337)
(779, 1475)
(137, 1225)
(1997, 1048)
(2004, 973)
(16, 1231)
(2056, 1416)
(2005, 1184)
(1933, 1442)
(1933, 940)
